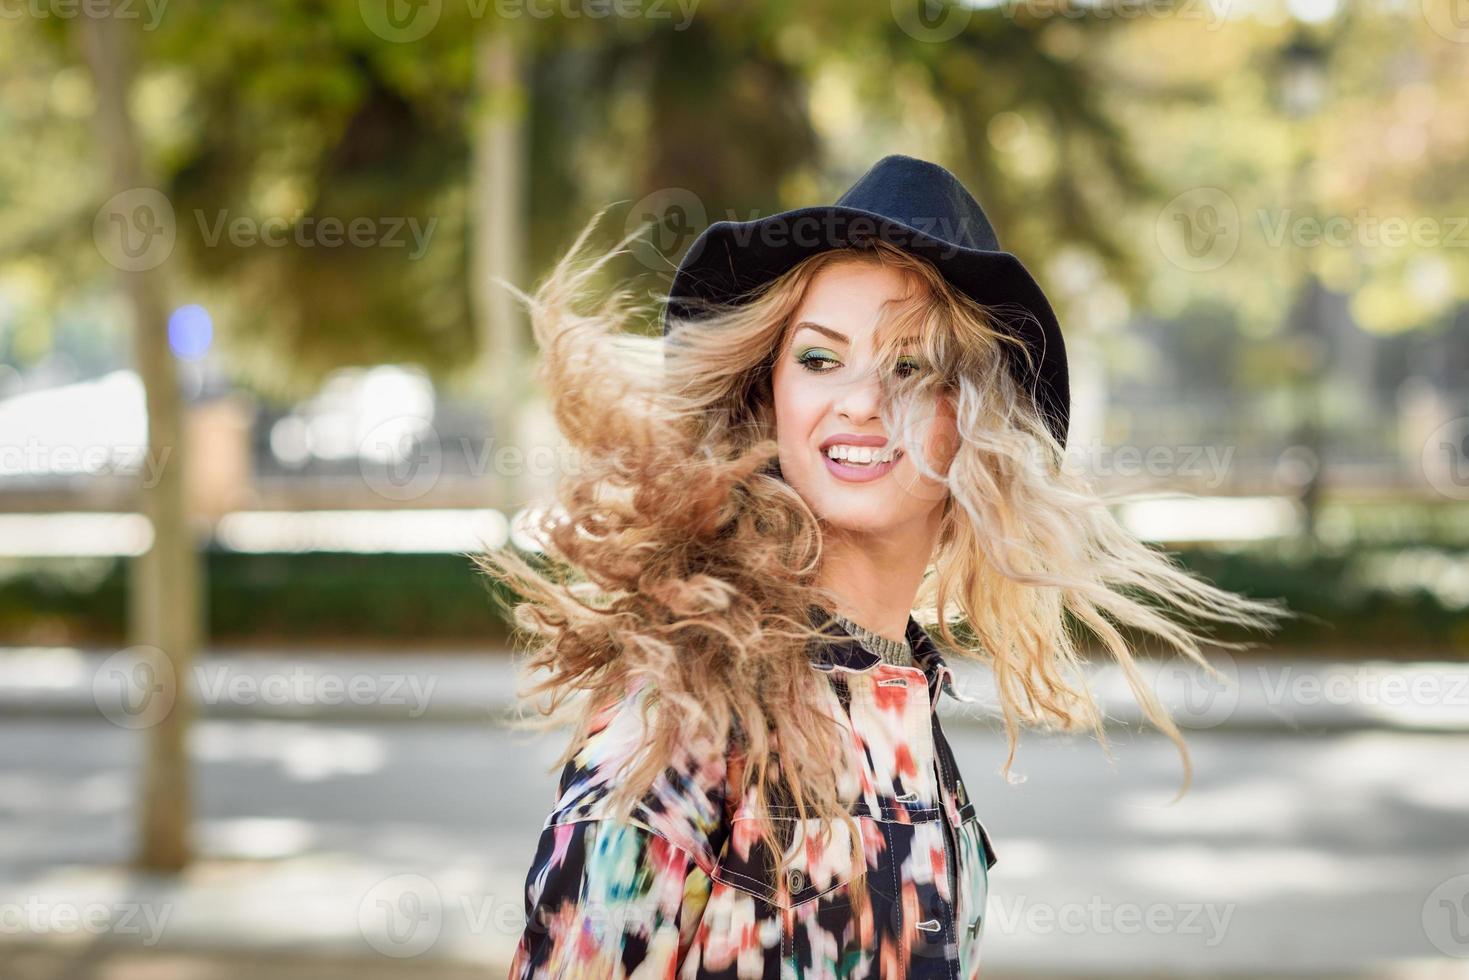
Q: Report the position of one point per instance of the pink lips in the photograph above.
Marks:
(859, 474)
(849, 473)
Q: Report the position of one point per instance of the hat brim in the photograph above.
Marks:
(731, 261)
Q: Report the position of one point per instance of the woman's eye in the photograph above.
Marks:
(908, 366)
(812, 360)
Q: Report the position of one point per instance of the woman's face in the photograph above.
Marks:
(827, 394)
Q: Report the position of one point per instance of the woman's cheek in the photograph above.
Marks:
(944, 444)
(941, 436)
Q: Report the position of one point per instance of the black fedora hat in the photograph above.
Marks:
(916, 205)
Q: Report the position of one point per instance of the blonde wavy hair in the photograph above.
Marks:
(675, 556)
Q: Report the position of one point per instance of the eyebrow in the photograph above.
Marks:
(838, 335)
(833, 334)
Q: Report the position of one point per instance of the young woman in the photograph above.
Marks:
(859, 418)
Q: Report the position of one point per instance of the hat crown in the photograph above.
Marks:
(924, 196)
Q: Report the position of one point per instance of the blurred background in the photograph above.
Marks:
(260, 398)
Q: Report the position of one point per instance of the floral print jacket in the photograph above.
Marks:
(680, 890)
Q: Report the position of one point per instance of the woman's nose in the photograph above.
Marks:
(860, 398)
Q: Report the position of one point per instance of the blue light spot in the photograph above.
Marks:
(190, 331)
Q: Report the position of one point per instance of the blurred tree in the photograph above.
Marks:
(1072, 126)
(291, 112)
(1034, 108)
(498, 185)
(304, 118)
(164, 604)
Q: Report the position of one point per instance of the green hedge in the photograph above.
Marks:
(317, 597)
(1385, 601)
(397, 598)
(1341, 599)
(61, 600)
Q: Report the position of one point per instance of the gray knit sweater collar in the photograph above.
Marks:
(897, 652)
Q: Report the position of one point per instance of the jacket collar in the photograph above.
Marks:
(846, 652)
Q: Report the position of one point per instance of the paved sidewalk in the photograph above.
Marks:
(115, 962)
(132, 964)
(331, 848)
(1260, 693)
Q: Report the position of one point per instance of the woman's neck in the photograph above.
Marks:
(875, 583)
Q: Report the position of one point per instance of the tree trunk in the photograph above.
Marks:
(498, 247)
(164, 582)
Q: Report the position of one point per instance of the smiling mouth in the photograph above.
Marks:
(865, 460)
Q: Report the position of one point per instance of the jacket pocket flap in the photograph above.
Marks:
(813, 866)
(968, 813)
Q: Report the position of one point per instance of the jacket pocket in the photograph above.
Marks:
(810, 904)
(814, 867)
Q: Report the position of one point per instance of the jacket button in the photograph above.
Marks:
(795, 880)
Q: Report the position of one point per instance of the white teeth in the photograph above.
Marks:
(860, 455)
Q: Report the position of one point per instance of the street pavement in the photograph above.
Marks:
(1326, 832)
(1251, 693)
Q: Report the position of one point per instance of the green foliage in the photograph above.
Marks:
(61, 600)
(1378, 601)
(295, 111)
(325, 597)
(1344, 599)
(315, 598)
(302, 119)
